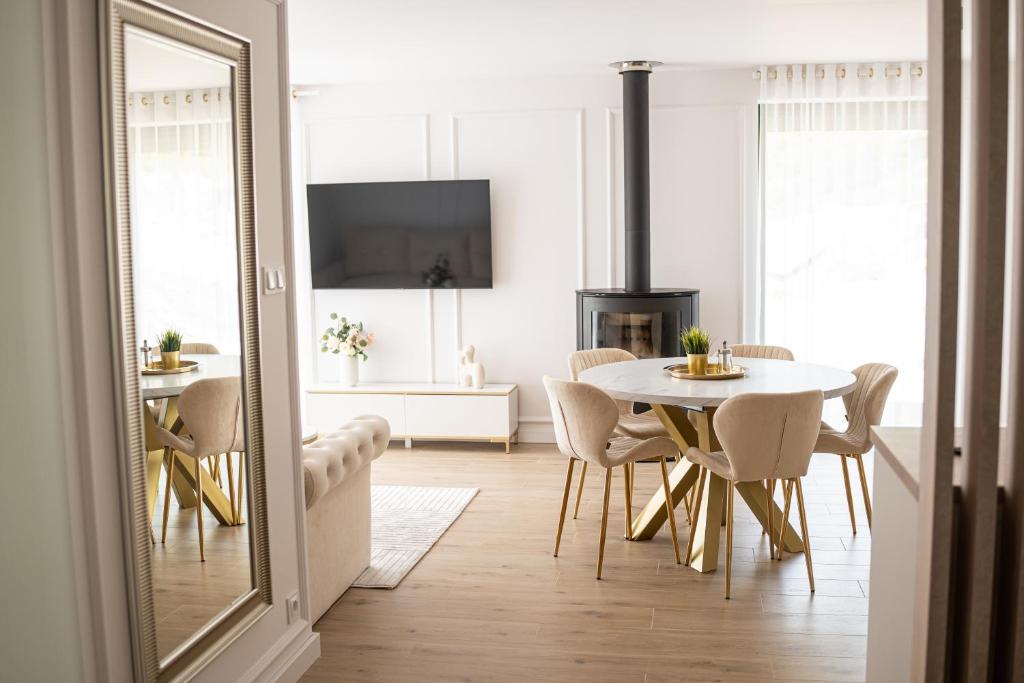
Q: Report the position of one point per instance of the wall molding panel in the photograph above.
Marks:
(552, 149)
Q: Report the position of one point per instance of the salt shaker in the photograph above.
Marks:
(725, 357)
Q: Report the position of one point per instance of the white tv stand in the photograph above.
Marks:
(429, 412)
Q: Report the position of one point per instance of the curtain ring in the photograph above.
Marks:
(821, 74)
(893, 71)
(869, 74)
(841, 71)
(206, 97)
(757, 77)
(773, 74)
(188, 98)
(145, 101)
(167, 99)
(918, 70)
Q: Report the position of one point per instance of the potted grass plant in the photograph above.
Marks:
(170, 349)
(696, 342)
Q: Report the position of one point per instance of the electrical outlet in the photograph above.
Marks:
(293, 607)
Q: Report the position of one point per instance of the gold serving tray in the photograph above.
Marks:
(157, 368)
(683, 372)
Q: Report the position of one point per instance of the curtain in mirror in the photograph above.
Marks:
(181, 160)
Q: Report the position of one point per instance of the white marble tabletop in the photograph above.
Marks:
(210, 366)
(647, 381)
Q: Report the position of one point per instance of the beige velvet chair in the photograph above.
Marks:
(584, 418)
(864, 407)
(199, 347)
(761, 351)
(211, 410)
(764, 437)
(642, 426)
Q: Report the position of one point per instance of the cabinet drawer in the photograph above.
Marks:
(325, 412)
(454, 416)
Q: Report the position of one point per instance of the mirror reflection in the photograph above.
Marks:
(185, 262)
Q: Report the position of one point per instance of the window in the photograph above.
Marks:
(844, 225)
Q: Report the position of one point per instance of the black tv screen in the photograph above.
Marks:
(408, 235)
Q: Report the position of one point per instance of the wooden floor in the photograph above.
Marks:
(187, 593)
(490, 603)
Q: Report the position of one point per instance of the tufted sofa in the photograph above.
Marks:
(337, 487)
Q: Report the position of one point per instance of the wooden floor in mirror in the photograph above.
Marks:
(490, 603)
(187, 593)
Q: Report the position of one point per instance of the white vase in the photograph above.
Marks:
(349, 370)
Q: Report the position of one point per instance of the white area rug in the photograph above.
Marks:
(407, 521)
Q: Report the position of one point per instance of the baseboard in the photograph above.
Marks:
(536, 432)
(293, 661)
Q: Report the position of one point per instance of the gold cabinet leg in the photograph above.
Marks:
(668, 509)
(849, 493)
(565, 503)
(731, 487)
(604, 519)
(788, 496)
(627, 490)
(231, 487)
(169, 453)
(804, 531)
(579, 490)
(696, 514)
(199, 507)
(864, 486)
(770, 505)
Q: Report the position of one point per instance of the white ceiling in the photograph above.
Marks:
(152, 64)
(338, 41)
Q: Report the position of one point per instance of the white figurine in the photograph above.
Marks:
(470, 373)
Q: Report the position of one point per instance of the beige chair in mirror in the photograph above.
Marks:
(211, 411)
(642, 426)
(864, 407)
(585, 419)
(764, 437)
(199, 347)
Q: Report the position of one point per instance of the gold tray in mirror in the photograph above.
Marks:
(683, 372)
(157, 368)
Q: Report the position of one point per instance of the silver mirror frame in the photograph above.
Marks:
(215, 636)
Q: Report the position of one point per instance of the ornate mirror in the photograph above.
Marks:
(184, 281)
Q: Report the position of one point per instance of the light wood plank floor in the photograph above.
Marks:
(187, 593)
(490, 603)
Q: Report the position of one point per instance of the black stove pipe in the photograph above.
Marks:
(637, 172)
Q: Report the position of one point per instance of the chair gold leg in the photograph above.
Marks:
(728, 537)
(701, 476)
(806, 534)
(770, 505)
(168, 452)
(788, 496)
(627, 490)
(231, 489)
(239, 489)
(604, 519)
(632, 482)
(864, 486)
(199, 507)
(668, 508)
(579, 490)
(565, 503)
(849, 493)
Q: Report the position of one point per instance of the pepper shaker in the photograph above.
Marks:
(725, 357)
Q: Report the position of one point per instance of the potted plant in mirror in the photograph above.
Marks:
(350, 341)
(170, 349)
(696, 342)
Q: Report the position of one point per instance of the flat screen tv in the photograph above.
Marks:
(433, 234)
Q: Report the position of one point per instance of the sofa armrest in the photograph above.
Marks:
(336, 455)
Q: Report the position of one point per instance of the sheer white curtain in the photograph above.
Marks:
(183, 212)
(844, 173)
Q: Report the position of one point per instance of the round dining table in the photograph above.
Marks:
(686, 409)
(164, 391)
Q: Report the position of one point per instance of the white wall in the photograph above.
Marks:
(552, 148)
(39, 639)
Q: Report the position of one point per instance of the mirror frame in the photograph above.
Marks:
(235, 51)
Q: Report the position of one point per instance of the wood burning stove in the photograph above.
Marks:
(640, 320)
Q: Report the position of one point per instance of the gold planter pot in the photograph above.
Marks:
(698, 363)
(171, 360)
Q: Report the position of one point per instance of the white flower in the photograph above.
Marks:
(333, 343)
